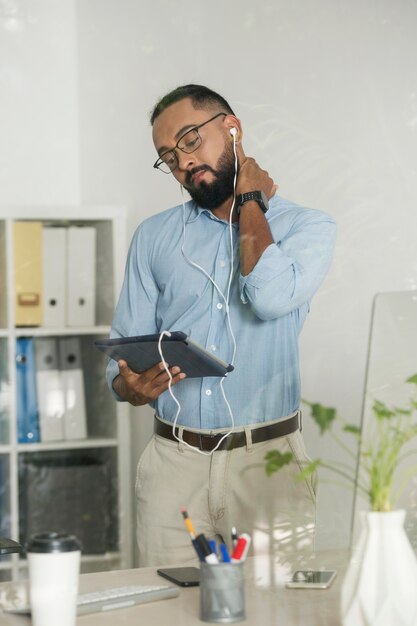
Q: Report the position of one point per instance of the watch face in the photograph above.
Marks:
(265, 200)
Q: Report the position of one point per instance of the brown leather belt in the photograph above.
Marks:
(208, 442)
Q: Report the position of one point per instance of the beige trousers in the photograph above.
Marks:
(225, 489)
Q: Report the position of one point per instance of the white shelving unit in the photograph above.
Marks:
(107, 421)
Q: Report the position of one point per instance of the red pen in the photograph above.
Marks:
(241, 548)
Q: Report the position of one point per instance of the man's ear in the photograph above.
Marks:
(231, 122)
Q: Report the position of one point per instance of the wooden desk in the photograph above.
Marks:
(268, 602)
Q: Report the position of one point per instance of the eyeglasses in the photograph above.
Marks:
(190, 141)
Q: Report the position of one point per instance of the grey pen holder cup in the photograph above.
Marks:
(222, 593)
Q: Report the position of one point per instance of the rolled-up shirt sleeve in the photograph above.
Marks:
(135, 310)
(290, 271)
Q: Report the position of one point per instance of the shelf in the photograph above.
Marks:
(74, 462)
(67, 445)
(37, 331)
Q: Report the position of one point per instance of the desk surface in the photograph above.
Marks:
(268, 601)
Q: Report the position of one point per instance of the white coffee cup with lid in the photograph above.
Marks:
(54, 567)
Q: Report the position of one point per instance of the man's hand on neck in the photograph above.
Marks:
(254, 232)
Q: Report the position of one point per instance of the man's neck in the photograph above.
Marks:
(222, 212)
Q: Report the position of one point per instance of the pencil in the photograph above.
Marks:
(191, 532)
(188, 523)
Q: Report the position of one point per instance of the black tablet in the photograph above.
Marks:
(141, 353)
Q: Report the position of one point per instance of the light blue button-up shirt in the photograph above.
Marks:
(162, 290)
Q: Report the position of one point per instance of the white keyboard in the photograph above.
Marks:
(115, 598)
(123, 597)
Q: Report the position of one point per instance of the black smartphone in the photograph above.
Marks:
(312, 579)
(182, 576)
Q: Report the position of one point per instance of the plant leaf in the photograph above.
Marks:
(309, 469)
(412, 379)
(276, 460)
(323, 416)
(352, 428)
(400, 411)
(382, 411)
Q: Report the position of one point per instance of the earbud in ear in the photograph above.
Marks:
(233, 131)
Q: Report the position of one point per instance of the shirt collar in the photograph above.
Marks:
(195, 212)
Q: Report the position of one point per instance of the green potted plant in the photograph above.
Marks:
(380, 451)
(380, 583)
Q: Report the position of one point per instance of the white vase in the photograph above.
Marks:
(380, 586)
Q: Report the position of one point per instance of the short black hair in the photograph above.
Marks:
(200, 96)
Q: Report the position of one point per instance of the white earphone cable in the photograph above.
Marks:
(225, 299)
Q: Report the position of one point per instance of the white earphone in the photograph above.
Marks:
(225, 297)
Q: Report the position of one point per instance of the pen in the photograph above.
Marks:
(191, 532)
(234, 536)
(241, 548)
(225, 553)
(204, 545)
(213, 545)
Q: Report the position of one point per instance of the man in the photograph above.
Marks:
(247, 306)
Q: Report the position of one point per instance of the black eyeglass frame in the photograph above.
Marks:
(161, 161)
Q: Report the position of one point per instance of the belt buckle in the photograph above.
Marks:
(206, 442)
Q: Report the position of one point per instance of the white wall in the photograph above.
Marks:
(39, 135)
(327, 93)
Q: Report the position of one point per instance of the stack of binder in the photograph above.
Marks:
(73, 388)
(51, 401)
(54, 254)
(27, 254)
(27, 396)
(81, 257)
(54, 275)
(50, 390)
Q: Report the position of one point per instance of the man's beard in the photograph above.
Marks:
(214, 194)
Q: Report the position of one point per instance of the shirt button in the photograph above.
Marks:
(208, 392)
(213, 347)
(222, 263)
(219, 305)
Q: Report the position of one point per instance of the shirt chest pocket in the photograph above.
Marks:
(185, 295)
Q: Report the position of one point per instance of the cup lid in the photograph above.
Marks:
(53, 542)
